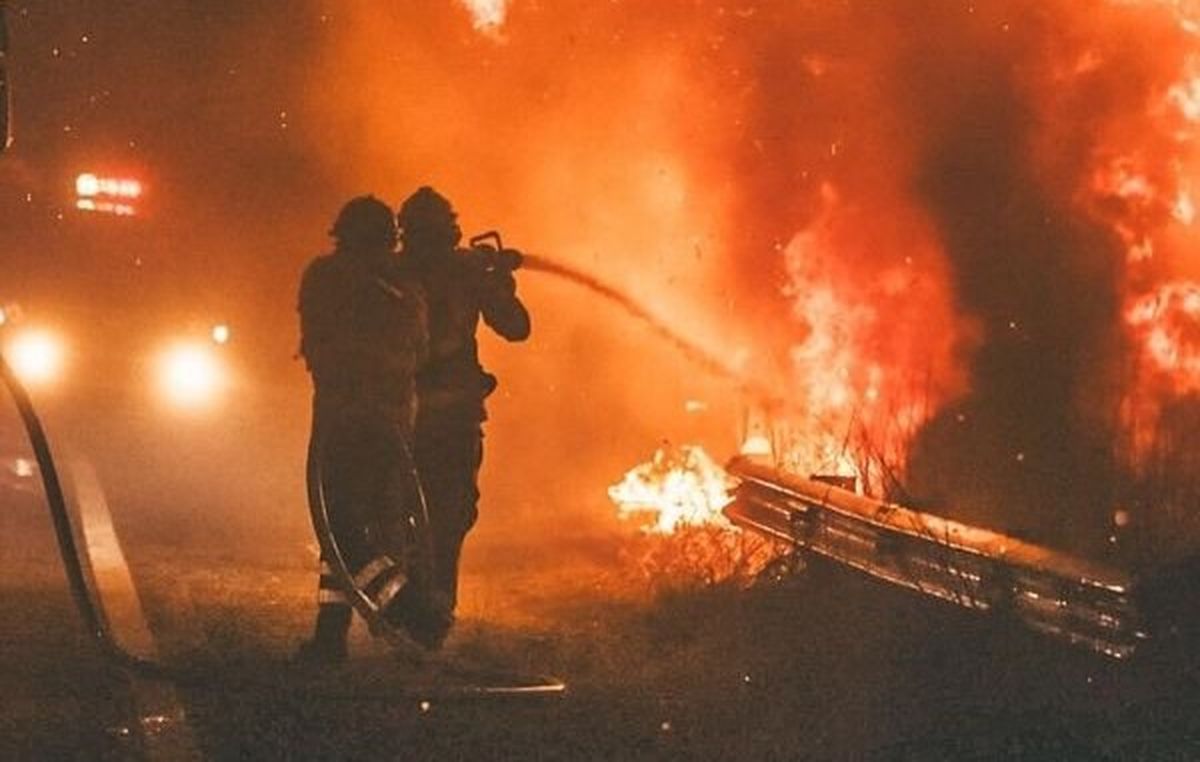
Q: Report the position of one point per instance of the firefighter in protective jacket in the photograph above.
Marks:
(460, 286)
(363, 335)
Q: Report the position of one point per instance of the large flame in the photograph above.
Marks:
(1141, 188)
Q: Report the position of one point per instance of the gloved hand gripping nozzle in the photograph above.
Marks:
(491, 254)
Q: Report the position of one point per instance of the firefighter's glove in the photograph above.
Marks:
(500, 283)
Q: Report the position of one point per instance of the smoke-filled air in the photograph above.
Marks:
(945, 245)
(606, 379)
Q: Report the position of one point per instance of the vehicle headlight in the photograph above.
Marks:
(190, 375)
(36, 356)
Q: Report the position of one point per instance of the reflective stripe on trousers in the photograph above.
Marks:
(381, 579)
(329, 592)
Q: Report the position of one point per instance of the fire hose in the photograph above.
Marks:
(367, 607)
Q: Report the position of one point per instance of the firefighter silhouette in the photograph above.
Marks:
(363, 336)
(460, 287)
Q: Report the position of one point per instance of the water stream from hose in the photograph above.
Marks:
(701, 356)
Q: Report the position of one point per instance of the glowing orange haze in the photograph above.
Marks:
(760, 174)
(596, 136)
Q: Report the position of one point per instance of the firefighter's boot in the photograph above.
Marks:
(425, 616)
(328, 643)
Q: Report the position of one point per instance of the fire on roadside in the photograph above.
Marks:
(921, 215)
(685, 539)
(680, 486)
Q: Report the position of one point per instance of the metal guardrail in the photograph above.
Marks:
(1085, 603)
(78, 575)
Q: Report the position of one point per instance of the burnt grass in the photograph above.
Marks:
(824, 665)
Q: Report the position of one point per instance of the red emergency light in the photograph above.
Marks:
(108, 195)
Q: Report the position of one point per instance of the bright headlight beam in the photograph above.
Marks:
(190, 375)
(36, 356)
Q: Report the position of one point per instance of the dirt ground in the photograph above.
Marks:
(823, 666)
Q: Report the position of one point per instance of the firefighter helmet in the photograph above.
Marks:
(364, 220)
(425, 209)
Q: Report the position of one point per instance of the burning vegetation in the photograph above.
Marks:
(679, 494)
(969, 239)
(679, 487)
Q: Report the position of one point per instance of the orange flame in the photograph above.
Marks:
(1168, 321)
(1142, 188)
(678, 487)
